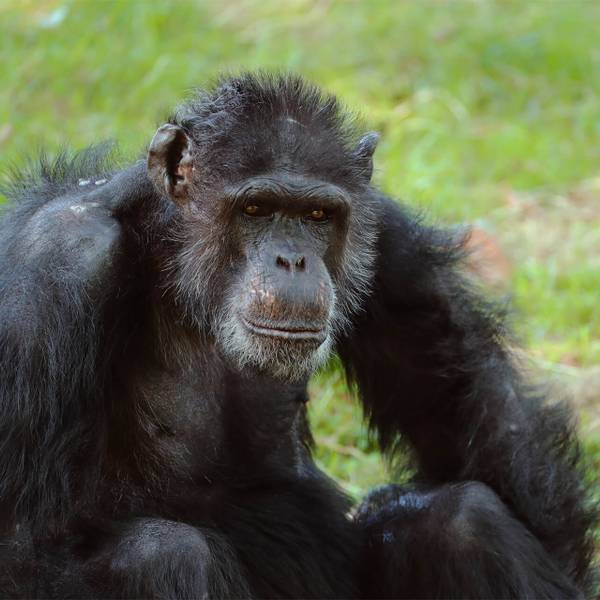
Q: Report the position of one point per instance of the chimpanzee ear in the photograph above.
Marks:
(170, 163)
(364, 152)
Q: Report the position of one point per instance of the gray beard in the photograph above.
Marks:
(284, 360)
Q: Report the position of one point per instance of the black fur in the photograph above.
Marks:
(137, 461)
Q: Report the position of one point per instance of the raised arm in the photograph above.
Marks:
(434, 370)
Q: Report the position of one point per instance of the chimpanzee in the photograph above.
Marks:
(158, 326)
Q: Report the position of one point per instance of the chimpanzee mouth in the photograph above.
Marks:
(287, 331)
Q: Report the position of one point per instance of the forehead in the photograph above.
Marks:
(283, 144)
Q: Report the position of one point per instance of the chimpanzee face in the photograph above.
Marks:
(272, 262)
(281, 311)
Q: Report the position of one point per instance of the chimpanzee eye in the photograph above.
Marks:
(317, 215)
(258, 210)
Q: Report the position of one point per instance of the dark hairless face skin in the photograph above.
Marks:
(158, 328)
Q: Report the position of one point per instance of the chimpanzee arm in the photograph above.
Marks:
(60, 244)
(433, 368)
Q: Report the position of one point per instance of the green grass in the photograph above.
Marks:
(489, 113)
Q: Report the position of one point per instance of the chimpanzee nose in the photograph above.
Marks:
(291, 262)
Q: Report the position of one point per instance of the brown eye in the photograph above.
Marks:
(258, 210)
(317, 215)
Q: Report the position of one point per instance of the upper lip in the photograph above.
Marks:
(286, 330)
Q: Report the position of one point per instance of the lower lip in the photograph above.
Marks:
(284, 334)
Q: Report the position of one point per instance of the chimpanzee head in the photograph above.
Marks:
(276, 227)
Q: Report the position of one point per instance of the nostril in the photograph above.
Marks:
(300, 264)
(284, 263)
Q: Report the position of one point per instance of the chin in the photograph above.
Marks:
(284, 357)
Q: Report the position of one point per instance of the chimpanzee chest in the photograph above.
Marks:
(228, 431)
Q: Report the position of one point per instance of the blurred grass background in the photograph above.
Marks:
(489, 113)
